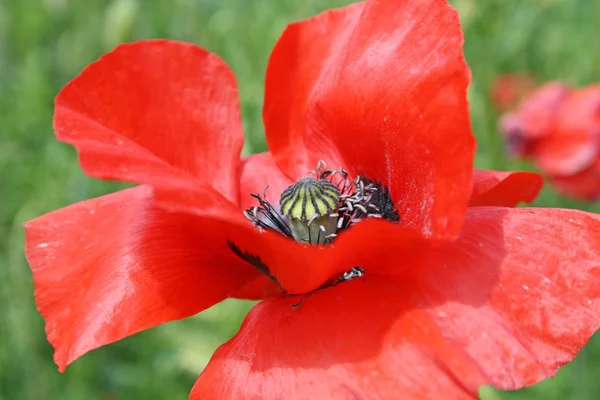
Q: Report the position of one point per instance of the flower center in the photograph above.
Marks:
(315, 209)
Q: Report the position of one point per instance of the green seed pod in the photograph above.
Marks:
(308, 204)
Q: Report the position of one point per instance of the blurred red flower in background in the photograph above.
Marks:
(509, 89)
(559, 129)
(430, 284)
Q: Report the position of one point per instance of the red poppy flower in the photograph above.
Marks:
(509, 89)
(559, 129)
(410, 278)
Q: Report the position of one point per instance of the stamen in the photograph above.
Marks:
(361, 208)
(265, 216)
(355, 272)
(310, 221)
(349, 205)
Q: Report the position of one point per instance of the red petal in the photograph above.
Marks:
(505, 305)
(584, 185)
(381, 90)
(357, 340)
(504, 188)
(158, 112)
(109, 267)
(300, 58)
(259, 289)
(523, 290)
(259, 171)
(574, 144)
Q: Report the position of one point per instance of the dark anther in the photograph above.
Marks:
(355, 272)
(383, 201)
(253, 260)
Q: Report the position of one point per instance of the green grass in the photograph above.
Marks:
(44, 43)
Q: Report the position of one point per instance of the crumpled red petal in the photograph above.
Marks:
(393, 109)
(507, 304)
(158, 112)
(109, 267)
(504, 188)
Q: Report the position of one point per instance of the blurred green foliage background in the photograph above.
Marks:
(44, 43)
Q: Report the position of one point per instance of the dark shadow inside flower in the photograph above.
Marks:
(410, 309)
